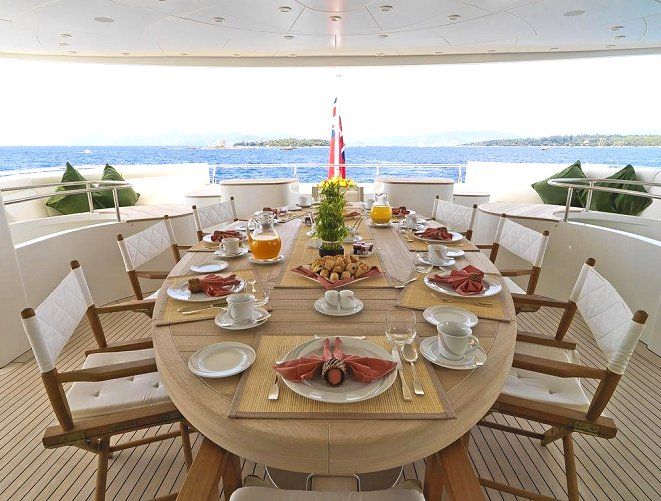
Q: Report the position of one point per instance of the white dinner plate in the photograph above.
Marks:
(221, 360)
(423, 257)
(490, 288)
(209, 267)
(180, 292)
(349, 391)
(431, 351)
(242, 250)
(260, 315)
(254, 260)
(322, 306)
(456, 237)
(437, 314)
(207, 239)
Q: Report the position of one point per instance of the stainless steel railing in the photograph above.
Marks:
(90, 187)
(588, 184)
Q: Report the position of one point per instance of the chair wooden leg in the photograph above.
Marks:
(553, 434)
(185, 440)
(102, 469)
(432, 487)
(570, 467)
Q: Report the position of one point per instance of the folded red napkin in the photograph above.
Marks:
(440, 233)
(270, 209)
(466, 281)
(213, 285)
(218, 235)
(400, 211)
(327, 284)
(335, 364)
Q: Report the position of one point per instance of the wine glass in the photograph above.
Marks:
(420, 266)
(400, 327)
(261, 292)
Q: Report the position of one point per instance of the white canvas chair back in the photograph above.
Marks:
(213, 215)
(455, 216)
(141, 247)
(608, 317)
(56, 318)
(528, 244)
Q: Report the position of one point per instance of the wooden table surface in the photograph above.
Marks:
(333, 446)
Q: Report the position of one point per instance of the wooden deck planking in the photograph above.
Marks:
(626, 467)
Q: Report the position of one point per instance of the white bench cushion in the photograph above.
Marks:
(565, 392)
(88, 399)
(262, 493)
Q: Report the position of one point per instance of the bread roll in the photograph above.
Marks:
(333, 277)
(338, 269)
(346, 275)
(324, 273)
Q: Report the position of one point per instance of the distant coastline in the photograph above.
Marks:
(587, 140)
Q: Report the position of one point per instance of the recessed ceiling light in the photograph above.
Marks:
(291, 55)
(609, 46)
(128, 53)
(65, 35)
(218, 19)
(385, 8)
(453, 17)
(236, 55)
(383, 35)
(617, 28)
(380, 54)
(619, 37)
(573, 13)
(288, 37)
(438, 53)
(554, 48)
(63, 44)
(72, 52)
(335, 18)
(491, 51)
(284, 8)
(104, 20)
(184, 54)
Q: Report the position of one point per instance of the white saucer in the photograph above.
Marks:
(430, 350)
(421, 225)
(423, 257)
(242, 250)
(266, 261)
(379, 225)
(455, 253)
(221, 360)
(323, 307)
(437, 314)
(209, 267)
(353, 240)
(260, 315)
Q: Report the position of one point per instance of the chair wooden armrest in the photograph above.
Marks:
(156, 275)
(534, 338)
(535, 300)
(515, 273)
(106, 372)
(484, 246)
(555, 367)
(555, 415)
(135, 305)
(135, 344)
(112, 424)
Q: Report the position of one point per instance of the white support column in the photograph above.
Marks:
(13, 341)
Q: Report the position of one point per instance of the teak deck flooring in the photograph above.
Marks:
(627, 467)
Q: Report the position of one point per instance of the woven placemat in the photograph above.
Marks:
(418, 296)
(415, 245)
(170, 315)
(203, 247)
(301, 254)
(250, 399)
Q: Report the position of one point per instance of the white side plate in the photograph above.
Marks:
(209, 267)
(437, 314)
(221, 360)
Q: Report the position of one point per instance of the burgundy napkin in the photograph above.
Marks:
(327, 284)
(270, 209)
(363, 369)
(215, 285)
(400, 211)
(440, 233)
(466, 281)
(218, 235)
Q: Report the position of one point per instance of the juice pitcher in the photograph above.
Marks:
(381, 212)
(263, 240)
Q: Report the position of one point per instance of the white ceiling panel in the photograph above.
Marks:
(356, 22)
(488, 29)
(335, 6)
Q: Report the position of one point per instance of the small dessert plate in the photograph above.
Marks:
(455, 253)
(253, 260)
(423, 257)
(431, 351)
(260, 315)
(353, 239)
(437, 314)
(242, 250)
(209, 267)
(322, 306)
(221, 360)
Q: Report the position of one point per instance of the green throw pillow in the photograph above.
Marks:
(619, 203)
(127, 196)
(554, 194)
(72, 204)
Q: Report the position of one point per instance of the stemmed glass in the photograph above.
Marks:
(421, 267)
(400, 327)
(261, 290)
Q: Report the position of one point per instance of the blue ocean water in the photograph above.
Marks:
(13, 158)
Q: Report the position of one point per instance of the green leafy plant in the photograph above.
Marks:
(330, 221)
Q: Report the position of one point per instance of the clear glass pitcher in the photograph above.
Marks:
(263, 240)
(381, 212)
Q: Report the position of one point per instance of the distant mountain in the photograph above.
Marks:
(576, 140)
(453, 138)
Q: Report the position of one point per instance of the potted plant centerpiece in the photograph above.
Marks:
(330, 220)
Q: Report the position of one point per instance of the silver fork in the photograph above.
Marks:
(274, 392)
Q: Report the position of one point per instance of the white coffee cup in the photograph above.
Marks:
(346, 299)
(437, 253)
(455, 340)
(332, 298)
(230, 245)
(241, 307)
(303, 200)
(411, 220)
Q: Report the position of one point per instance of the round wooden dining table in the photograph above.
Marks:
(331, 446)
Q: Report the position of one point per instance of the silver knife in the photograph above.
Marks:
(406, 393)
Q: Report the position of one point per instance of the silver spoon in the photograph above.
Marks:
(410, 354)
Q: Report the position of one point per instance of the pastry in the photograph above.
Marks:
(194, 285)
